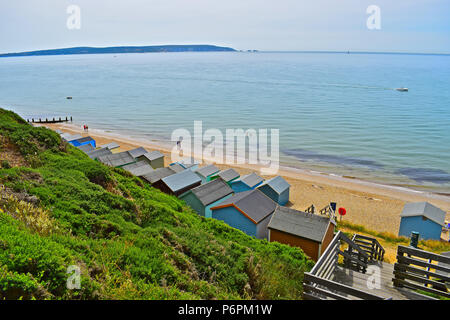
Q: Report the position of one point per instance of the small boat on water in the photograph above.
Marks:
(402, 89)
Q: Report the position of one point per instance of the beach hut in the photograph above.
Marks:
(95, 154)
(249, 211)
(422, 217)
(247, 182)
(206, 196)
(86, 148)
(312, 233)
(228, 175)
(153, 158)
(190, 164)
(177, 168)
(117, 160)
(155, 177)
(276, 189)
(110, 146)
(206, 172)
(139, 168)
(179, 183)
(138, 152)
(70, 137)
(83, 141)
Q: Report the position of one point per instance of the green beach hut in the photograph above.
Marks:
(228, 175)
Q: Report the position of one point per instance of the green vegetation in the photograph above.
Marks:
(129, 240)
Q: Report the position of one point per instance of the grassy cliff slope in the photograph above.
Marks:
(59, 208)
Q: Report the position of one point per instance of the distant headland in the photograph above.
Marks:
(121, 49)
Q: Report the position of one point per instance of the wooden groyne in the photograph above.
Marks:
(50, 120)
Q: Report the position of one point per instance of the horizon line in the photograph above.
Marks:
(6, 54)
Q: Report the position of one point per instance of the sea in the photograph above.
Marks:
(337, 113)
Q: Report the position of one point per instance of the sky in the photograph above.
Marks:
(266, 25)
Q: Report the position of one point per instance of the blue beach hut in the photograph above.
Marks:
(424, 218)
(249, 211)
(83, 141)
(276, 189)
(247, 182)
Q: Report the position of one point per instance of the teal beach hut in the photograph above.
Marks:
(206, 172)
(228, 175)
(206, 196)
(276, 189)
(248, 211)
(190, 164)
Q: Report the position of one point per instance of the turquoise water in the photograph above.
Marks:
(337, 113)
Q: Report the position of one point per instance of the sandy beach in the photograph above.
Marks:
(377, 207)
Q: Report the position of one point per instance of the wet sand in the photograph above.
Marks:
(377, 207)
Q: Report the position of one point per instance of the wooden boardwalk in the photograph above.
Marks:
(364, 276)
(386, 290)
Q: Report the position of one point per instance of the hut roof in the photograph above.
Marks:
(228, 175)
(278, 184)
(84, 139)
(187, 163)
(139, 168)
(111, 145)
(137, 152)
(298, 223)
(424, 209)
(153, 155)
(69, 137)
(177, 167)
(212, 191)
(181, 180)
(86, 148)
(117, 159)
(251, 179)
(158, 174)
(253, 203)
(94, 154)
(208, 170)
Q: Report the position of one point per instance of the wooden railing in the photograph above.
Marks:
(327, 211)
(415, 270)
(318, 284)
(354, 257)
(371, 246)
(311, 209)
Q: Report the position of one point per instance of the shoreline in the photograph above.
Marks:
(376, 206)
